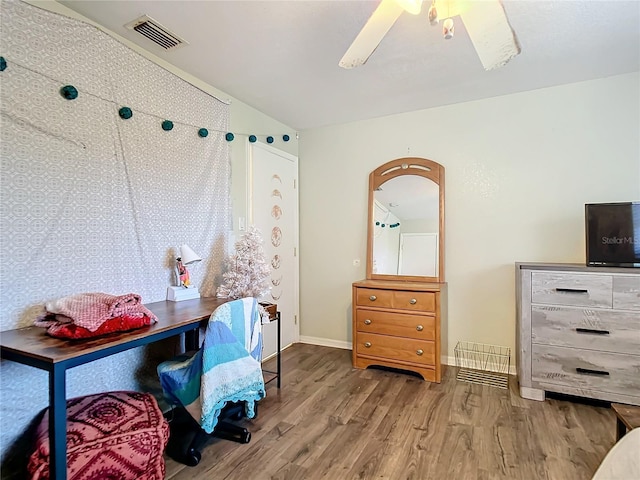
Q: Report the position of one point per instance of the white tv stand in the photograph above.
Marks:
(578, 331)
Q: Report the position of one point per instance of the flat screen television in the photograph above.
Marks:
(613, 234)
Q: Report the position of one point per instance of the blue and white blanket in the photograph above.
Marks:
(226, 369)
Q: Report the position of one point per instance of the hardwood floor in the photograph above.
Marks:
(330, 421)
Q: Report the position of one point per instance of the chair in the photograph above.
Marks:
(222, 379)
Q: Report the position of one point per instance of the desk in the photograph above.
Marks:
(31, 346)
(627, 418)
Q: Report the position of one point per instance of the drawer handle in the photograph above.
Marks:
(367, 344)
(413, 301)
(367, 322)
(419, 328)
(373, 298)
(592, 330)
(588, 371)
(419, 352)
(572, 290)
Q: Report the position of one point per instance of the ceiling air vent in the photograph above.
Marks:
(157, 33)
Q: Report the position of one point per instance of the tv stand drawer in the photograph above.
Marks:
(573, 289)
(626, 292)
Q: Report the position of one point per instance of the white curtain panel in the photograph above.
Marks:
(91, 202)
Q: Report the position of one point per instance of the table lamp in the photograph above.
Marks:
(184, 290)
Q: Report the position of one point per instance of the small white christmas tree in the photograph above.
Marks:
(248, 271)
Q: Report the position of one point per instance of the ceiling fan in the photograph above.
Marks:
(485, 22)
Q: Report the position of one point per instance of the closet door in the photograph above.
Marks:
(273, 177)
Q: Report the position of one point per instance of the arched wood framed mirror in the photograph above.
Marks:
(406, 221)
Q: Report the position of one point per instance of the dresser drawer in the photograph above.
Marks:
(396, 348)
(404, 300)
(419, 301)
(594, 329)
(421, 327)
(371, 297)
(626, 292)
(572, 289)
(586, 369)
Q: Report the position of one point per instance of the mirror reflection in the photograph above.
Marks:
(406, 227)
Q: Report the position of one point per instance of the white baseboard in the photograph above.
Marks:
(269, 357)
(325, 342)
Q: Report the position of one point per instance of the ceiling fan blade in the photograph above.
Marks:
(490, 32)
(371, 34)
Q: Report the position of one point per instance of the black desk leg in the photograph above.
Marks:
(621, 429)
(278, 354)
(192, 340)
(58, 423)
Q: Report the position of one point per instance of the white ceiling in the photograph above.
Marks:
(281, 57)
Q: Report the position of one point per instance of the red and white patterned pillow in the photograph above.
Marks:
(109, 435)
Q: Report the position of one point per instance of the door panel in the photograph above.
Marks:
(274, 211)
(418, 254)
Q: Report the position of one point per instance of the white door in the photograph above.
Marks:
(418, 254)
(273, 201)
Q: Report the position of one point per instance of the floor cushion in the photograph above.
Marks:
(112, 435)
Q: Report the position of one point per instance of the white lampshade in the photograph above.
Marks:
(188, 256)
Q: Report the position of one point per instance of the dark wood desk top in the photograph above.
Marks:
(628, 414)
(34, 342)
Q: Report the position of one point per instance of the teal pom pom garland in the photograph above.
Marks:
(69, 92)
(391, 225)
(3, 64)
(125, 113)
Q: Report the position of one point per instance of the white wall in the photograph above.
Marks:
(243, 118)
(518, 169)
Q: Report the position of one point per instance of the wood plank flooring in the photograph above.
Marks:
(330, 421)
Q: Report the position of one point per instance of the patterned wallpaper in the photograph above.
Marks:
(92, 202)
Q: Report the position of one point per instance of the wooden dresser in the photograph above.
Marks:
(578, 331)
(397, 324)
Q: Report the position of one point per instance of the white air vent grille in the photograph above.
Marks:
(156, 32)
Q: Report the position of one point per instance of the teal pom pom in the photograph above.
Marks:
(252, 138)
(3, 64)
(167, 125)
(69, 92)
(269, 139)
(383, 225)
(203, 132)
(377, 223)
(285, 138)
(229, 137)
(125, 113)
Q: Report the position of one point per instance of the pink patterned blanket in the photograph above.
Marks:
(113, 435)
(91, 310)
